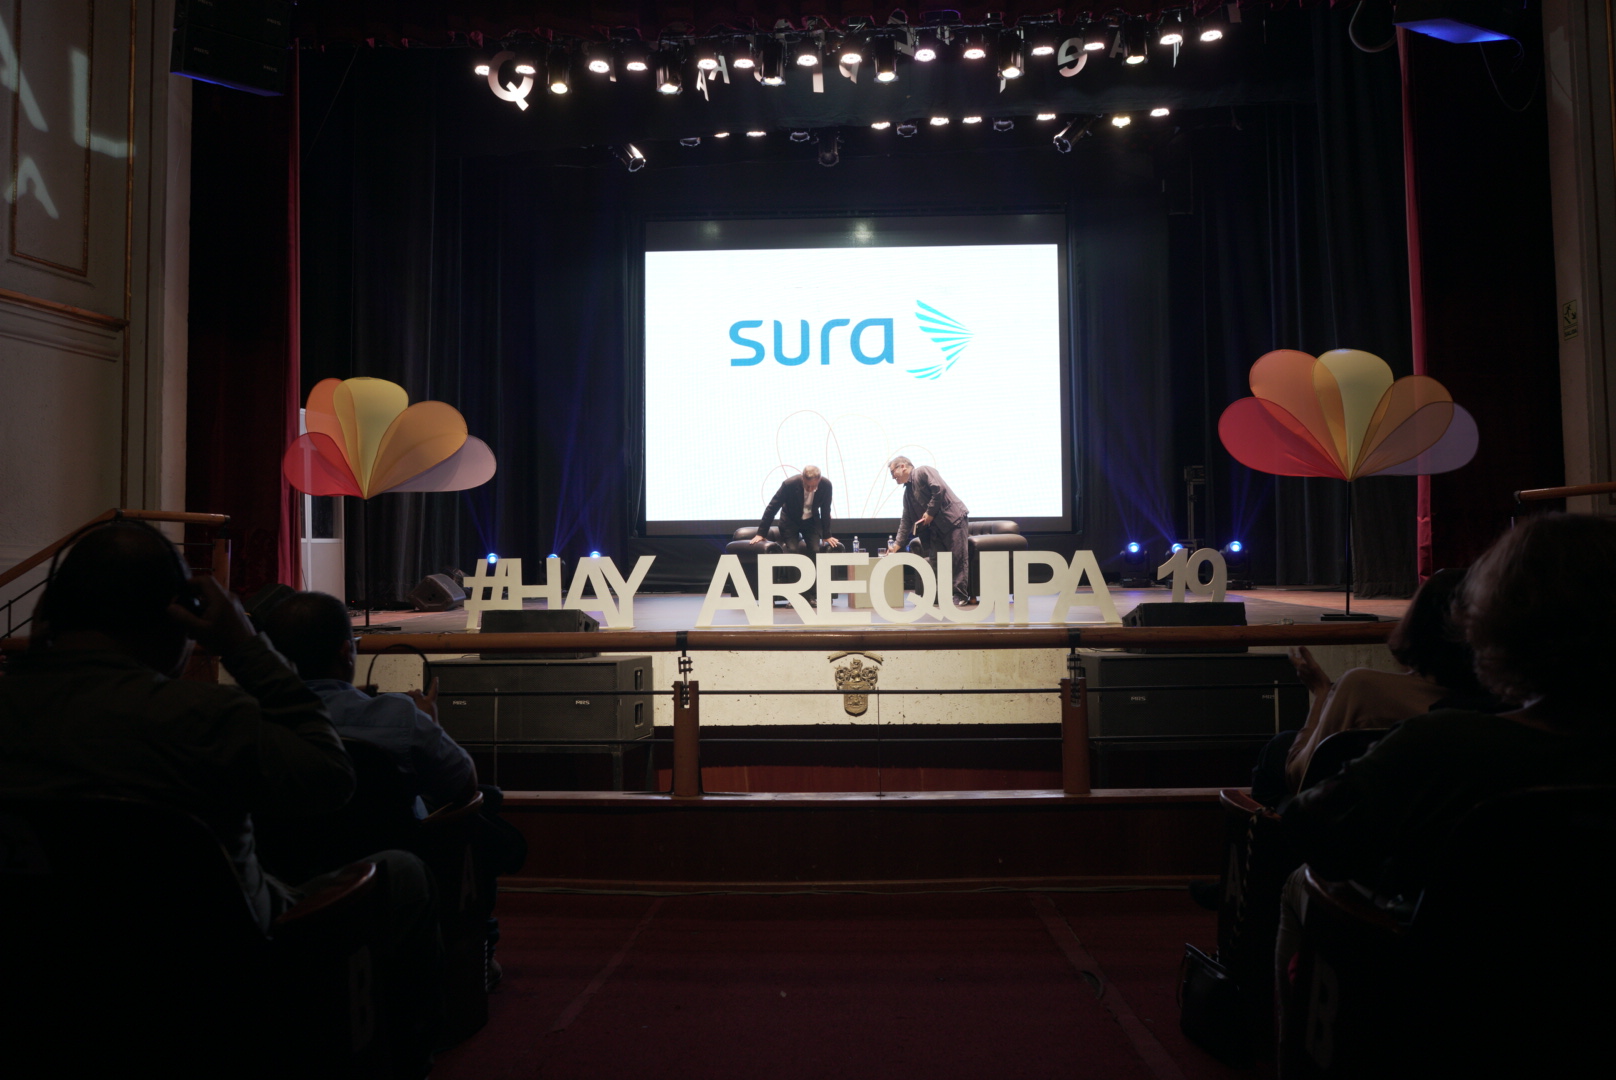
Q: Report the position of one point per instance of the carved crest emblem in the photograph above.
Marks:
(856, 681)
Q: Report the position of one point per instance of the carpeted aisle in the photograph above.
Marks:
(784, 987)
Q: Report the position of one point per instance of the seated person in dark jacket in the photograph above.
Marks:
(1539, 611)
(96, 708)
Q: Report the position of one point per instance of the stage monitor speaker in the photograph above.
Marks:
(437, 592)
(1192, 697)
(242, 44)
(540, 621)
(504, 702)
(1205, 613)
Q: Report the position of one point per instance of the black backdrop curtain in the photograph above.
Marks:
(504, 286)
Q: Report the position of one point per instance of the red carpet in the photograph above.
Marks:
(812, 987)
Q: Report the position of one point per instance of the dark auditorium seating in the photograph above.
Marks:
(444, 843)
(1501, 967)
(1338, 749)
(1255, 866)
(128, 948)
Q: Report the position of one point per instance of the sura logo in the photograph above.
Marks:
(950, 335)
(870, 332)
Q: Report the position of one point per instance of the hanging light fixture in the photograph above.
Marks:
(851, 53)
(744, 56)
(669, 79)
(885, 52)
(559, 71)
(807, 53)
(772, 62)
(926, 46)
(1097, 37)
(1172, 30)
(1011, 60)
(1133, 42)
(636, 56)
(975, 46)
(598, 58)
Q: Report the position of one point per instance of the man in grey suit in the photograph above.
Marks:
(935, 515)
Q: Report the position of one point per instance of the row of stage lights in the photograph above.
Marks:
(769, 57)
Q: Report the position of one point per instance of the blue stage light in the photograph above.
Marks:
(553, 555)
(1133, 548)
(1236, 547)
(492, 558)
(594, 554)
(1455, 31)
(1177, 548)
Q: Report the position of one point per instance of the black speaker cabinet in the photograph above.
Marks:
(1197, 613)
(538, 621)
(437, 592)
(1253, 694)
(242, 44)
(575, 699)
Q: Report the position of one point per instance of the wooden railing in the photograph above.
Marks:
(219, 565)
(1573, 491)
(1073, 690)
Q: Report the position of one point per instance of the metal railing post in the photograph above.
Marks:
(687, 739)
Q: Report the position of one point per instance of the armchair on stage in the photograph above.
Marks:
(985, 536)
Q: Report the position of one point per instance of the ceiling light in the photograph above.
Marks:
(807, 53)
(756, 134)
(1121, 120)
(1003, 125)
(881, 125)
(598, 59)
(1214, 24)
(1160, 110)
(1172, 30)
(1045, 116)
(939, 121)
(1097, 37)
(527, 62)
(481, 68)
(744, 58)
(970, 119)
(772, 62)
(885, 52)
(720, 134)
(1042, 40)
(560, 72)
(706, 54)
(1133, 42)
(852, 52)
(926, 47)
(668, 78)
(1011, 61)
(975, 46)
(636, 57)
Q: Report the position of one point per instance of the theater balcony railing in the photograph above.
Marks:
(1072, 692)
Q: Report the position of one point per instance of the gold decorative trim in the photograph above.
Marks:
(67, 311)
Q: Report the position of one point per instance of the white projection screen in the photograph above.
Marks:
(770, 345)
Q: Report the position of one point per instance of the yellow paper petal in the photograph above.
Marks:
(1328, 392)
(422, 436)
(1363, 379)
(320, 413)
(1285, 377)
(366, 409)
(1402, 400)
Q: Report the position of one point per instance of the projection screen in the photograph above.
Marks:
(773, 345)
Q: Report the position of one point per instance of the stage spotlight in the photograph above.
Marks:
(630, 156)
(756, 134)
(1160, 110)
(1010, 59)
(690, 140)
(594, 554)
(1003, 125)
(527, 61)
(1062, 143)
(560, 72)
(1135, 566)
(1097, 37)
(970, 119)
(800, 136)
(926, 47)
(744, 56)
(1042, 40)
(885, 52)
(1172, 30)
(481, 67)
(939, 121)
(851, 53)
(1045, 116)
(598, 58)
(1121, 120)
(1238, 562)
(720, 134)
(1133, 42)
(669, 79)
(975, 46)
(1175, 549)
(492, 558)
(636, 56)
(881, 125)
(772, 62)
(830, 148)
(807, 53)
(706, 54)
(908, 128)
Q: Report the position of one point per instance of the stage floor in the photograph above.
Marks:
(678, 611)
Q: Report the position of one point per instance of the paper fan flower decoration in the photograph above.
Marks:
(365, 438)
(1343, 416)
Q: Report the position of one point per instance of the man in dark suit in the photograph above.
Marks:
(803, 503)
(935, 515)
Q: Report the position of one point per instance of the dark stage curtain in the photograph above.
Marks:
(243, 379)
(505, 286)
